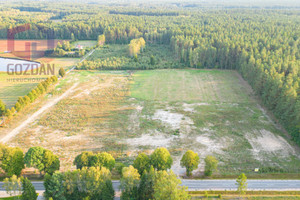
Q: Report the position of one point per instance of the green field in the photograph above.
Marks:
(211, 112)
(10, 91)
(189, 86)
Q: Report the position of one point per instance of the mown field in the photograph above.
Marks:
(10, 90)
(212, 112)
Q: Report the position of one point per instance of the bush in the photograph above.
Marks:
(8, 113)
(2, 107)
(62, 72)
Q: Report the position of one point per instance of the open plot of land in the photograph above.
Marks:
(189, 86)
(84, 43)
(82, 120)
(212, 112)
(60, 62)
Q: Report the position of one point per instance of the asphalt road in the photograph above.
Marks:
(252, 184)
(216, 185)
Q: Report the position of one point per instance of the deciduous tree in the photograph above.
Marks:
(83, 159)
(211, 165)
(28, 191)
(161, 159)
(142, 163)
(12, 185)
(35, 157)
(54, 186)
(2, 107)
(190, 161)
(242, 184)
(42, 159)
(167, 187)
(129, 183)
(102, 160)
(51, 162)
(12, 160)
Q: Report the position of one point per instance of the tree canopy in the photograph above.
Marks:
(42, 159)
(161, 159)
(190, 161)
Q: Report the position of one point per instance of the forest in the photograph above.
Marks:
(261, 44)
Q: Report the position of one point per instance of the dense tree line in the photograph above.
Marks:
(148, 13)
(145, 179)
(142, 181)
(23, 102)
(270, 63)
(85, 183)
(13, 161)
(125, 63)
(35, 93)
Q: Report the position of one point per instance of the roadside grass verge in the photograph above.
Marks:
(250, 195)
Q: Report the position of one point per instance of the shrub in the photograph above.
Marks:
(62, 72)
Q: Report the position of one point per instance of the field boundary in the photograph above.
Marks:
(35, 115)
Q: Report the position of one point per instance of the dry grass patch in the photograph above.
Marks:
(80, 122)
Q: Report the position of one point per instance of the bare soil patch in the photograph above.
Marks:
(266, 141)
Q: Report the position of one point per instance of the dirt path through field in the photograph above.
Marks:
(34, 116)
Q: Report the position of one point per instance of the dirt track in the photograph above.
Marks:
(35, 115)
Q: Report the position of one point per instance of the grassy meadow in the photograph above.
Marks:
(189, 86)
